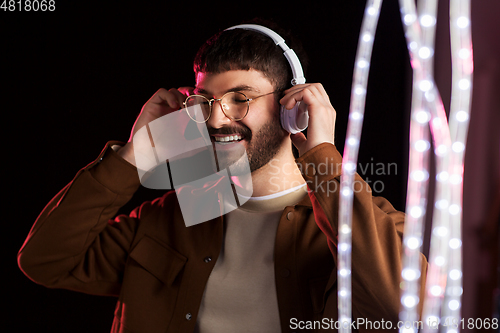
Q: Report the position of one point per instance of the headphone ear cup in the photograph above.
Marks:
(289, 119)
(285, 121)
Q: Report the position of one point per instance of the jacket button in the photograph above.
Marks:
(289, 216)
(188, 316)
(207, 259)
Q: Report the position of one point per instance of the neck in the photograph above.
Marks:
(279, 174)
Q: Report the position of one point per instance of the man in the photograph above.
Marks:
(267, 266)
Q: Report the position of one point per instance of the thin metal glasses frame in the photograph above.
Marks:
(211, 101)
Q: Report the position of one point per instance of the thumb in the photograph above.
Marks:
(299, 141)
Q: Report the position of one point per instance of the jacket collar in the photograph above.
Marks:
(306, 200)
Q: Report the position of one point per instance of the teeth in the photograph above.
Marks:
(228, 138)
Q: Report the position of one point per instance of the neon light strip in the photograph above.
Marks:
(445, 252)
(438, 257)
(461, 94)
(350, 156)
(427, 112)
(421, 50)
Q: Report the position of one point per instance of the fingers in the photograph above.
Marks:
(309, 93)
(161, 103)
(178, 96)
(322, 115)
(299, 140)
(171, 98)
(166, 101)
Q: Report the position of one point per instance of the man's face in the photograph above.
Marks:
(260, 131)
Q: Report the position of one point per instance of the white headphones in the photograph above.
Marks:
(296, 119)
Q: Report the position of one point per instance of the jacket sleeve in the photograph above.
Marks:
(75, 243)
(377, 231)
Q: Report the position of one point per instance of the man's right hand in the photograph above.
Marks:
(161, 103)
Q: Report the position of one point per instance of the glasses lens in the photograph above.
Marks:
(235, 105)
(198, 108)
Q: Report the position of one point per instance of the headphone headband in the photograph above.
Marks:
(293, 60)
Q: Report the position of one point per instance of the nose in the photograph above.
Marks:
(218, 118)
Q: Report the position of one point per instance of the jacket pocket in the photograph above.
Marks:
(159, 259)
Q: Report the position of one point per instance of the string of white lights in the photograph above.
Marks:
(439, 236)
(461, 93)
(417, 194)
(436, 279)
(445, 260)
(350, 156)
(444, 277)
(420, 37)
(416, 204)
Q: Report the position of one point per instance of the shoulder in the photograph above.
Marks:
(167, 202)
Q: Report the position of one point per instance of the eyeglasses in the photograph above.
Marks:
(234, 105)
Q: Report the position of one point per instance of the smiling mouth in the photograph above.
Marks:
(228, 138)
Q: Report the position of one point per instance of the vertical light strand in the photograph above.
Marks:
(438, 256)
(349, 161)
(420, 40)
(461, 93)
(416, 204)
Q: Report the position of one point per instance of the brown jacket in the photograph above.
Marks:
(158, 267)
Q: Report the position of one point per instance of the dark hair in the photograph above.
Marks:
(241, 49)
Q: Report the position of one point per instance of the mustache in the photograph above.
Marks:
(228, 130)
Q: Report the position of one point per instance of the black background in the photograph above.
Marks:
(77, 77)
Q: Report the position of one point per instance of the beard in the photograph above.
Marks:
(262, 146)
(265, 145)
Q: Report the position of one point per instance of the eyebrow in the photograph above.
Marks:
(242, 87)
